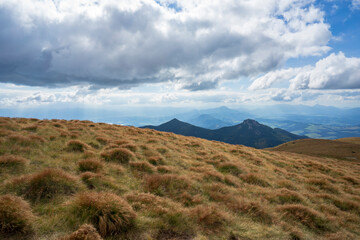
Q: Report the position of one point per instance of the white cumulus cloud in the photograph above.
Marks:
(124, 44)
(336, 71)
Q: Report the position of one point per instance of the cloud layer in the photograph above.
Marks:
(110, 43)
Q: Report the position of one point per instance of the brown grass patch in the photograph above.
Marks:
(109, 213)
(169, 185)
(13, 161)
(323, 185)
(16, 216)
(306, 216)
(287, 184)
(210, 217)
(76, 146)
(166, 169)
(91, 165)
(131, 147)
(156, 160)
(44, 185)
(230, 168)
(103, 140)
(85, 232)
(286, 196)
(143, 167)
(25, 141)
(31, 128)
(255, 179)
(120, 155)
(347, 205)
(351, 180)
(255, 210)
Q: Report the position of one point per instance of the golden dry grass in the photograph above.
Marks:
(16, 217)
(347, 148)
(170, 186)
(109, 213)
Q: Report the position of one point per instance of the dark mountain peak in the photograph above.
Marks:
(250, 133)
(250, 123)
(174, 120)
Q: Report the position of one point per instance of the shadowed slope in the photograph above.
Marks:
(341, 148)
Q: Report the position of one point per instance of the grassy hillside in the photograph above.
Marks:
(355, 140)
(76, 179)
(344, 148)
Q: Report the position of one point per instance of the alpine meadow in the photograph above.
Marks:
(179, 120)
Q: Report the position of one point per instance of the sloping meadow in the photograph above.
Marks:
(78, 179)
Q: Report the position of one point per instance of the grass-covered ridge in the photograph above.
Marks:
(72, 179)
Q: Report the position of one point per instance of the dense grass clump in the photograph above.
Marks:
(255, 179)
(91, 165)
(156, 161)
(252, 209)
(85, 232)
(170, 185)
(230, 168)
(109, 213)
(143, 167)
(44, 185)
(16, 216)
(120, 155)
(323, 185)
(210, 217)
(76, 146)
(287, 196)
(13, 161)
(306, 216)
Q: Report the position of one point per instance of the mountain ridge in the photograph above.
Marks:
(249, 133)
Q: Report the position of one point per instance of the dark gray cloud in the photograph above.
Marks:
(201, 86)
(112, 44)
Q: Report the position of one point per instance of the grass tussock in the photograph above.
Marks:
(252, 209)
(13, 162)
(230, 168)
(103, 140)
(25, 141)
(16, 217)
(119, 155)
(142, 167)
(210, 217)
(169, 185)
(255, 179)
(44, 185)
(306, 216)
(85, 232)
(156, 160)
(90, 165)
(76, 146)
(286, 196)
(109, 213)
(323, 185)
(131, 147)
(347, 205)
(31, 128)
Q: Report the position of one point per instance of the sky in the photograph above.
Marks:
(188, 53)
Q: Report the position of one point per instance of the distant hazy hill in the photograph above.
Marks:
(345, 148)
(249, 133)
(209, 121)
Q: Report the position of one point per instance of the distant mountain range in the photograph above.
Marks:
(249, 133)
(313, 121)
